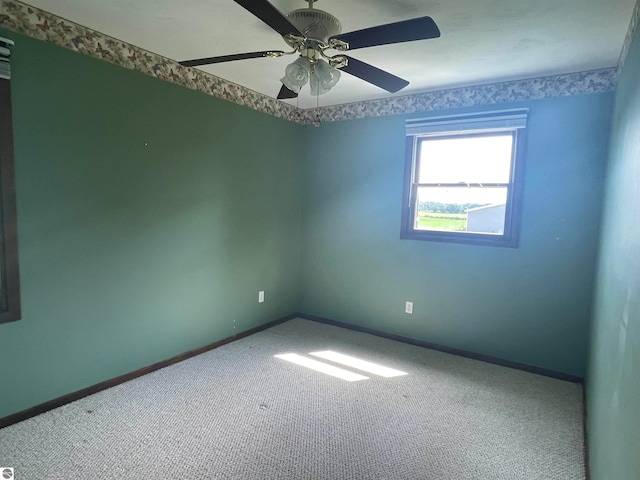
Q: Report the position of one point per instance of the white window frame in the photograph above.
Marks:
(513, 122)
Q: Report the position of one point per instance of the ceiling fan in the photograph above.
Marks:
(311, 33)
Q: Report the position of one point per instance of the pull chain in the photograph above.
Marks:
(317, 122)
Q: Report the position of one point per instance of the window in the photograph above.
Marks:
(9, 278)
(463, 178)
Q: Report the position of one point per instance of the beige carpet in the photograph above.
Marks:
(238, 412)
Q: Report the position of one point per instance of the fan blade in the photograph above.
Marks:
(285, 93)
(230, 58)
(270, 15)
(374, 75)
(406, 31)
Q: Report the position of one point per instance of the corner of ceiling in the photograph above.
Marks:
(33, 22)
(633, 27)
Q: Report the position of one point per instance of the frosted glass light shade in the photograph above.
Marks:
(323, 78)
(296, 74)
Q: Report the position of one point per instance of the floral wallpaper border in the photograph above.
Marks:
(36, 23)
(633, 26)
(583, 83)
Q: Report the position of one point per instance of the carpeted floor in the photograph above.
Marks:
(238, 412)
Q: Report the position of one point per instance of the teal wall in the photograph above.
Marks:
(613, 381)
(531, 304)
(149, 217)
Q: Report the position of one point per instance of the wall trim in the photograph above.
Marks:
(98, 387)
(581, 83)
(41, 25)
(443, 348)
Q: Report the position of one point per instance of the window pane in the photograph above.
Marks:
(470, 159)
(461, 209)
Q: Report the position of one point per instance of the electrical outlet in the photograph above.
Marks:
(261, 296)
(408, 307)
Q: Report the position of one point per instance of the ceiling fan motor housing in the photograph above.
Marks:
(315, 24)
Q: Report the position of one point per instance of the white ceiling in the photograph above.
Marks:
(482, 41)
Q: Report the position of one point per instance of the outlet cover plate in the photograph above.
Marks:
(408, 308)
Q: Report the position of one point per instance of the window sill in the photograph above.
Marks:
(463, 238)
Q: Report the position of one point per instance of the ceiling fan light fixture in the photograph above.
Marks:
(323, 78)
(310, 32)
(296, 74)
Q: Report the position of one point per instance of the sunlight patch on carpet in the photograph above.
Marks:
(363, 365)
(322, 367)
